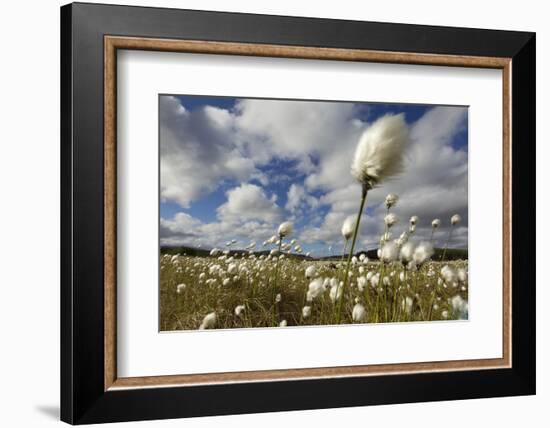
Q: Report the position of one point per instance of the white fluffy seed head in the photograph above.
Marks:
(389, 252)
(391, 200)
(348, 226)
(283, 323)
(407, 251)
(390, 219)
(306, 311)
(336, 292)
(361, 283)
(436, 223)
(374, 280)
(414, 220)
(285, 229)
(180, 288)
(422, 253)
(449, 274)
(379, 153)
(316, 288)
(462, 275)
(403, 238)
(406, 304)
(232, 268)
(460, 307)
(209, 321)
(310, 271)
(359, 313)
(239, 310)
(455, 219)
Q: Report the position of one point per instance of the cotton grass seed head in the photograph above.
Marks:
(361, 283)
(455, 219)
(336, 292)
(239, 310)
(389, 252)
(403, 238)
(422, 253)
(209, 321)
(306, 311)
(391, 200)
(348, 227)
(436, 223)
(316, 288)
(359, 313)
(449, 274)
(413, 220)
(462, 275)
(310, 271)
(285, 229)
(407, 304)
(390, 220)
(379, 153)
(406, 252)
(460, 307)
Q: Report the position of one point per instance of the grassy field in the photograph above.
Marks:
(242, 290)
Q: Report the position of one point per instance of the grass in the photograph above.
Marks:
(254, 287)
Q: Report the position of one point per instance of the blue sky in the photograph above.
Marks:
(220, 153)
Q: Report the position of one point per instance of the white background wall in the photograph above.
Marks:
(29, 213)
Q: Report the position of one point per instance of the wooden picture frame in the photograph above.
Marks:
(91, 390)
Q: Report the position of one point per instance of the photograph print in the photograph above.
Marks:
(284, 213)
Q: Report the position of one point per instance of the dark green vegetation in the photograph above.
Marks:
(220, 284)
(452, 253)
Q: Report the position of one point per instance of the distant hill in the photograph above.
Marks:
(452, 253)
(200, 252)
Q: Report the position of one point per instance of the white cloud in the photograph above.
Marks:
(247, 215)
(298, 199)
(249, 202)
(202, 148)
(199, 148)
(434, 184)
(196, 153)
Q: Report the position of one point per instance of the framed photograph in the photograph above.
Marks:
(266, 213)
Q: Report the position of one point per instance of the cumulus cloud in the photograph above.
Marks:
(434, 184)
(205, 147)
(298, 199)
(195, 152)
(247, 214)
(249, 202)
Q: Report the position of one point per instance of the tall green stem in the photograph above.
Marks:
(447, 244)
(275, 284)
(335, 308)
(344, 251)
(346, 277)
